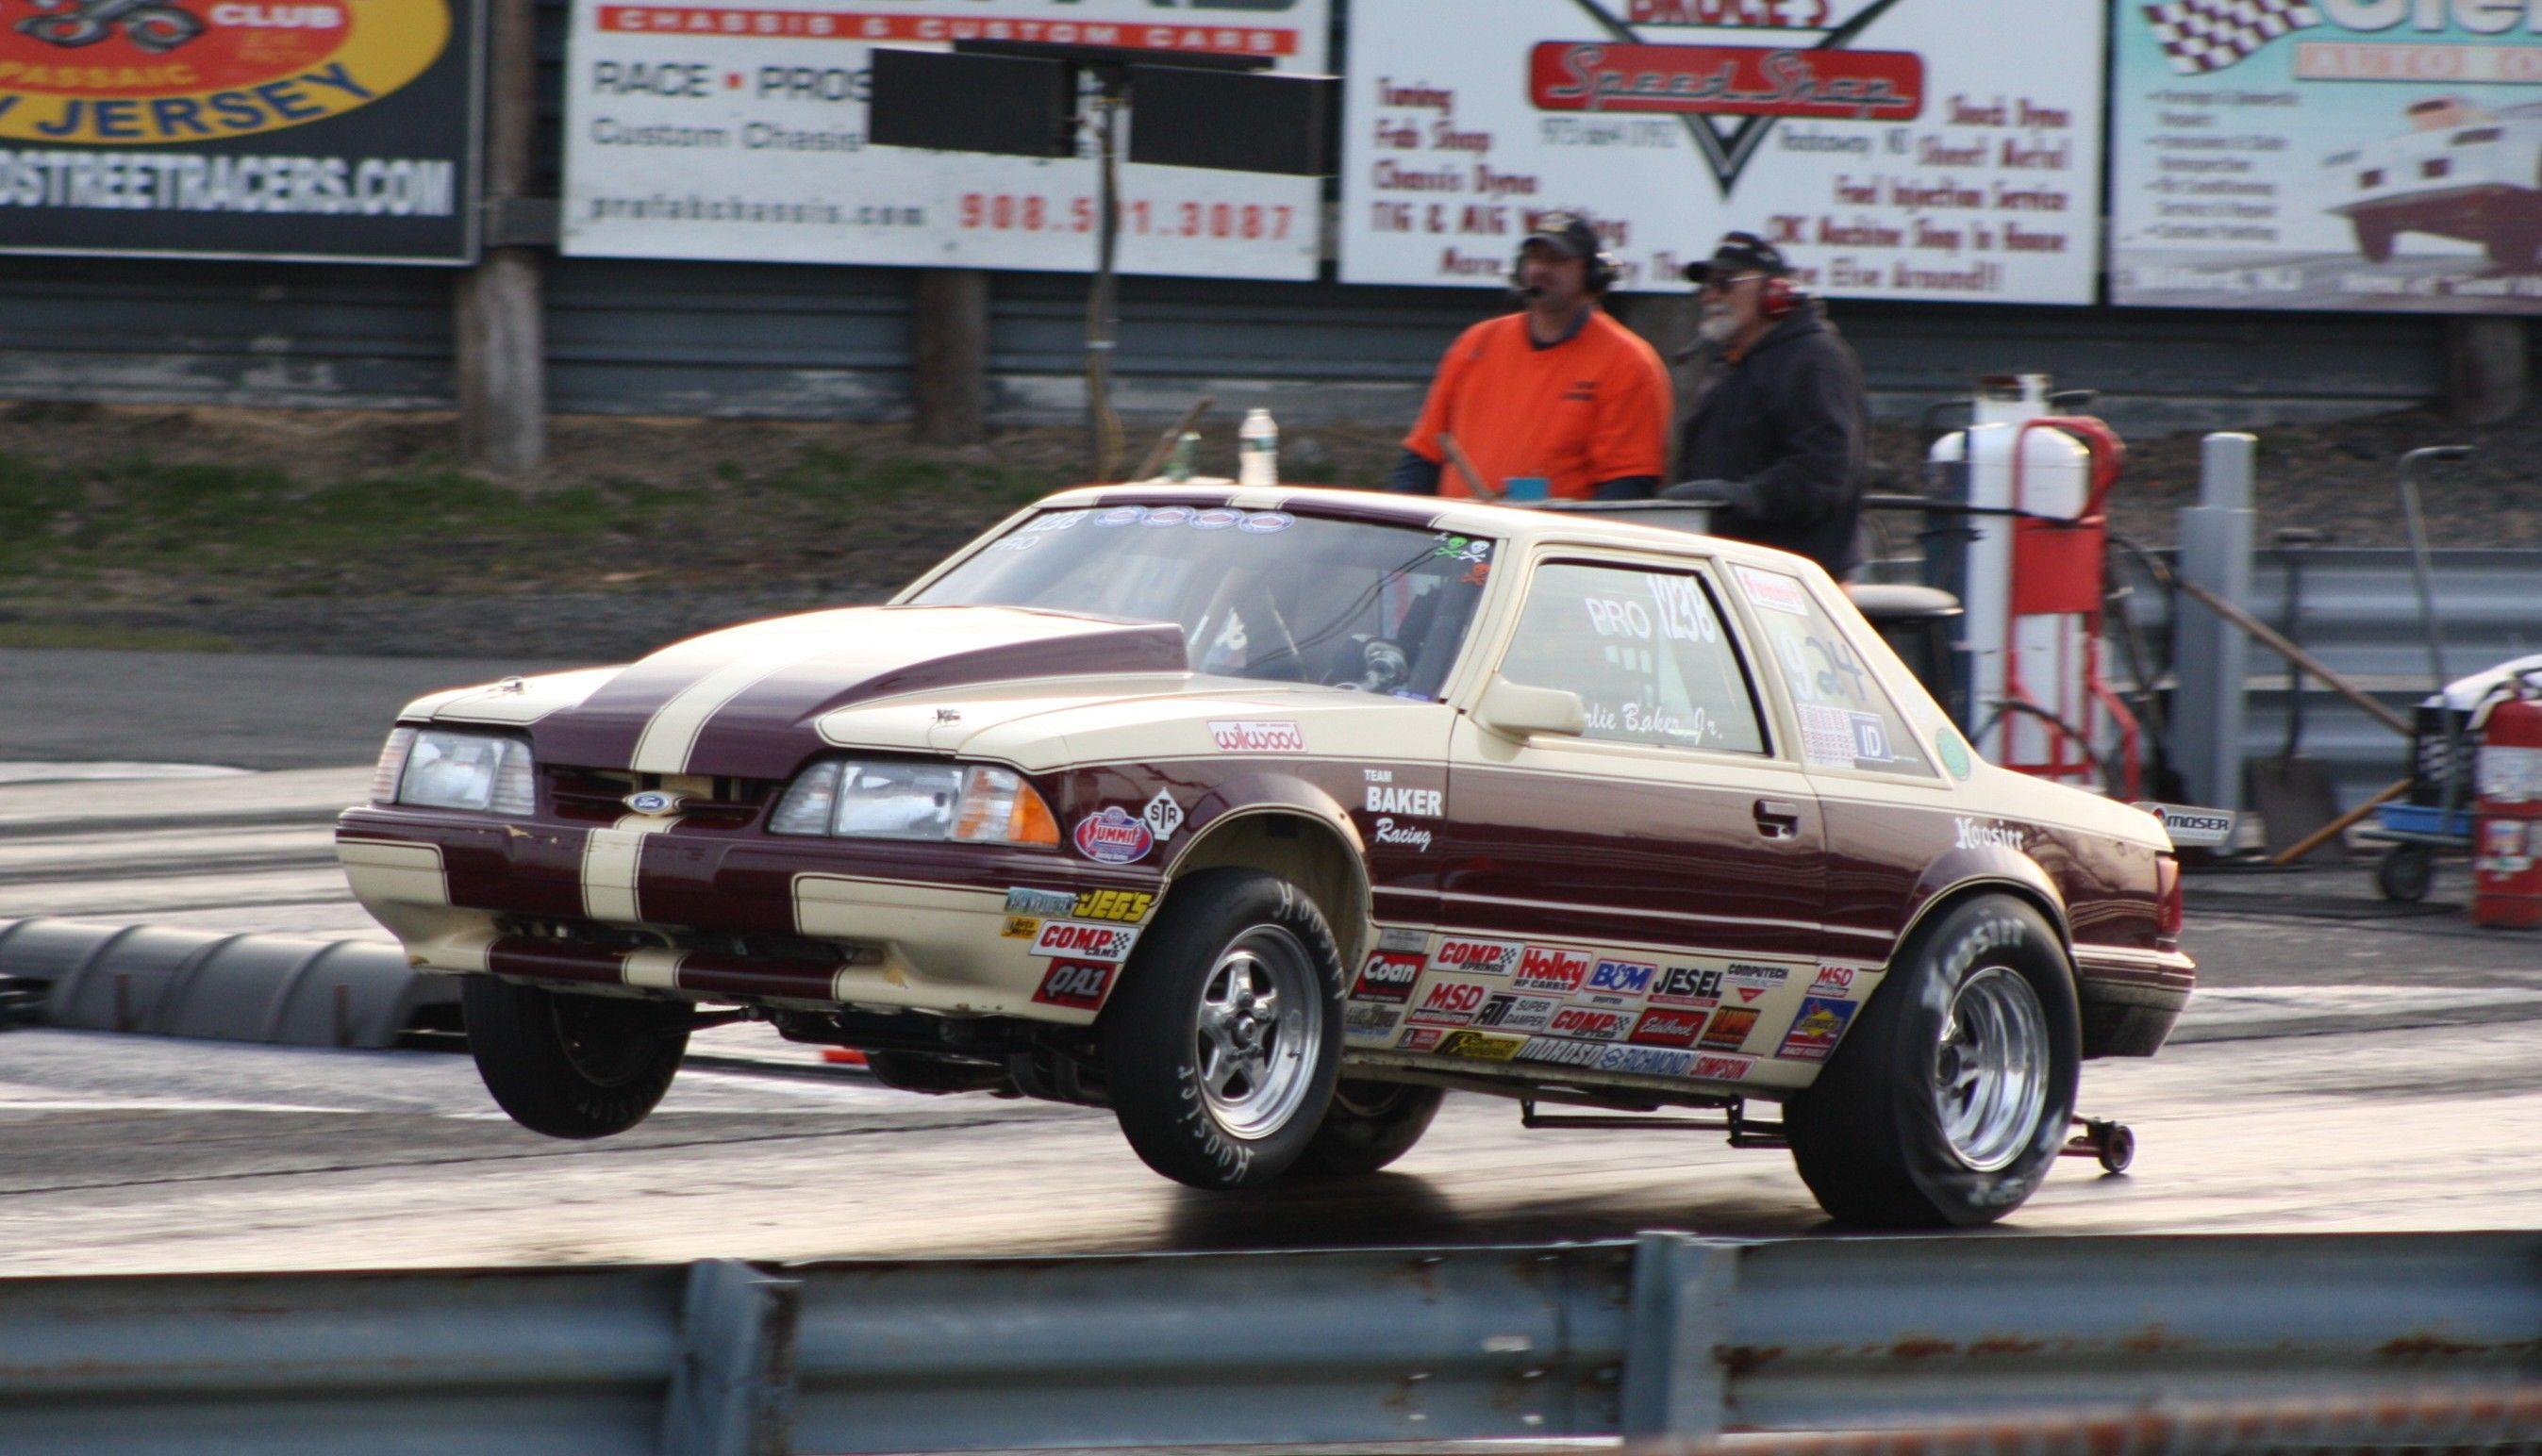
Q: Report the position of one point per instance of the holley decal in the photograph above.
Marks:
(1548, 969)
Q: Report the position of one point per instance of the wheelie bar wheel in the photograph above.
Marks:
(2114, 1143)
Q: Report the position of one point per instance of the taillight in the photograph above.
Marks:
(2167, 901)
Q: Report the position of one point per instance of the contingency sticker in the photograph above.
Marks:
(1078, 985)
(1480, 1046)
(1085, 942)
(1816, 1029)
(1388, 977)
(1772, 591)
(1370, 1022)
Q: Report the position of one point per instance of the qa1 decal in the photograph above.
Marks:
(113, 72)
(1078, 984)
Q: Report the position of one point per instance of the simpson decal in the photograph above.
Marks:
(1085, 942)
(1816, 1029)
(1257, 738)
(1451, 1002)
(1619, 982)
(1667, 1026)
(1113, 836)
(1477, 957)
(1480, 1046)
(1388, 977)
(1729, 1029)
(1126, 906)
(1721, 1069)
(1589, 1023)
(1548, 969)
(1686, 986)
(1081, 984)
(1365, 1022)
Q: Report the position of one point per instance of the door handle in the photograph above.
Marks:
(1778, 818)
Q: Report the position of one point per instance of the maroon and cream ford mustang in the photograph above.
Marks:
(1265, 818)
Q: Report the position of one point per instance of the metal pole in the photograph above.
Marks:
(2209, 702)
(1103, 426)
(2421, 570)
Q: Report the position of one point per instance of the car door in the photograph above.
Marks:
(1667, 855)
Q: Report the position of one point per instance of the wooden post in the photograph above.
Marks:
(949, 356)
(501, 334)
(2487, 369)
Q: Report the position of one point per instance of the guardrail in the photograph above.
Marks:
(1665, 1338)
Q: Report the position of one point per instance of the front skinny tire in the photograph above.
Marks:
(570, 1064)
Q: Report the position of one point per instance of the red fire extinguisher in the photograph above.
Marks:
(2506, 834)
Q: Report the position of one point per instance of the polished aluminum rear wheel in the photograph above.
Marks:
(1990, 1069)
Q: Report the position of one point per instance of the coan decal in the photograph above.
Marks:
(110, 72)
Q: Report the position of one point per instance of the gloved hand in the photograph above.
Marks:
(1737, 495)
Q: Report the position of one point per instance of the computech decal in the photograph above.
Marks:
(265, 128)
(1751, 983)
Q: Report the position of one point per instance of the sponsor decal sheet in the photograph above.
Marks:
(1927, 149)
(301, 129)
(735, 129)
(2380, 155)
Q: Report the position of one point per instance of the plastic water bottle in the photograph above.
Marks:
(1257, 450)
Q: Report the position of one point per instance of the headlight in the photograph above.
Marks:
(468, 770)
(915, 801)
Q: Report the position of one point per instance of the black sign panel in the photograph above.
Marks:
(319, 129)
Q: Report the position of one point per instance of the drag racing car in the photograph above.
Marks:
(1265, 818)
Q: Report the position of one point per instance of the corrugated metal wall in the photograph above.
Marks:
(833, 342)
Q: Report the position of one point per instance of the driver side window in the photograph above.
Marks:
(1647, 652)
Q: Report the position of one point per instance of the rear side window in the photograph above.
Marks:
(1646, 651)
(1846, 720)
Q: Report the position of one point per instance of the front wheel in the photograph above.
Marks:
(1221, 1047)
(1949, 1102)
(570, 1064)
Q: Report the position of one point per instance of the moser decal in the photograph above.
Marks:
(1480, 1046)
(1365, 1021)
(1085, 942)
(1113, 836)
(1081, 984)
(1549, 969)
(1518, 1013)
(1257, 738)
(1686, 986)
(1729, 1029)
(2192, 829)
(1477, 957)
(1668, 1026)
(1388, 977)
(1451, 1002)
(119, 73)
(1816, 1029)
(1589, 1023)
(1126, 906)
(1053, 903)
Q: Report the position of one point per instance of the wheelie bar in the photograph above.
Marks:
(2114, 1143)
(1744, 1131)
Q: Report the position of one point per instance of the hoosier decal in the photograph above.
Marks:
(1081, 984)
(1388, 977)
(1476, 957)
(1686, 986)
(1083, 942)
(1451, 1002)
(1816, 1029)
(1548, 969)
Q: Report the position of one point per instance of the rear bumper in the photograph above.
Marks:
(719, 916)
(2130, 1000)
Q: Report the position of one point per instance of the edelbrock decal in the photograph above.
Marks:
(1667, 1026)
(1113, 836)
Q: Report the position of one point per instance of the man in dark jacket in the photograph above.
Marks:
(1778, 430)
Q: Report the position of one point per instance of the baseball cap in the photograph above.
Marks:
(1565, 233)
(1739, 252)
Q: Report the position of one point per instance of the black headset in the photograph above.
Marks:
(1600, 279)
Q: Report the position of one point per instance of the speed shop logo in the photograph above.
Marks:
(114, 72)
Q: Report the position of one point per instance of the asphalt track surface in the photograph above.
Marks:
(2344, 1067)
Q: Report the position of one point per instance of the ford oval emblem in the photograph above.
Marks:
(652, 801)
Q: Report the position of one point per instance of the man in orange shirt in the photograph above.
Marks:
(1555, 399)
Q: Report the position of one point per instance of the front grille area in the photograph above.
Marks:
(707, 803)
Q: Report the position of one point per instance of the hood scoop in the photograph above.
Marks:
(741, 703)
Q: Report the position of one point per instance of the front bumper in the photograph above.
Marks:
(718, 913)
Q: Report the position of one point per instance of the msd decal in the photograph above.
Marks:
(1836, 981)
(1388, 977)
(1081, 984)
(1451, 1002)
(1588, 1024)
(1546, 969)
(1686, 986)
(1080, 941)
(1816, 1029)
(1666, 1026)
(1257, 738)
(1477, 957)
(1619, 982)
(1114, 836)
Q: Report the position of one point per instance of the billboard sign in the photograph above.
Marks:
(2328, 154)
(312, 129)
(725, 130)
(1923, 149)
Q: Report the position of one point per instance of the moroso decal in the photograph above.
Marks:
(1451, 1002)
(1548, 969)
(1816, 1029)
(1085, 942)
(121, 73)
(1476, 957)
(1114, 836)
(1081, 984)
(1560, 1052)
(1729, 1029)
(1388, 977)
(1480, 1046)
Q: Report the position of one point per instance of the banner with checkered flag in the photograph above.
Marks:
(2202, 35)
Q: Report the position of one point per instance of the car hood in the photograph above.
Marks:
(743, 703)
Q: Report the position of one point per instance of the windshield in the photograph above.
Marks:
(1258, 594)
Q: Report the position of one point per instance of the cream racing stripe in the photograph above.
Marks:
(612, 858)
(653, 968)
(672, 732)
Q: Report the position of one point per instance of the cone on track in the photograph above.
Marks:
(842, 1057)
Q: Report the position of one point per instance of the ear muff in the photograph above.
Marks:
(1600, 277)
(1780, 296)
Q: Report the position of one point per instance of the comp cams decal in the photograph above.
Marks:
(1080, 940)
(1590, 1023)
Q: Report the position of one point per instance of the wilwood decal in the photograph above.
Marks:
(108, 72)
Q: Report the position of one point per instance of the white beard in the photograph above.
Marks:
(1717, 328)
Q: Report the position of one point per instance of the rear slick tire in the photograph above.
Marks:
(570, 1064)
(1222, 1045)
(1949, 1100)
(1369, 1125)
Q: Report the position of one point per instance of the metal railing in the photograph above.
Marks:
(1666, 1339)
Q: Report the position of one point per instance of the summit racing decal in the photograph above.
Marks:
(1113, 836)
(114, 72)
